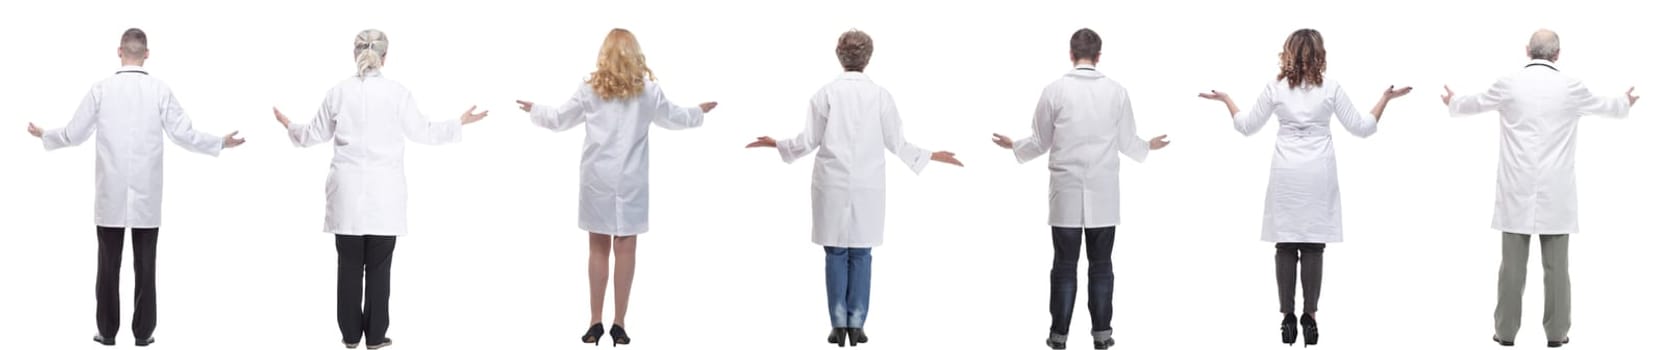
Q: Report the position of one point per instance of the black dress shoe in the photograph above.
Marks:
(144, 342)
(1503, 342)
(837, 337)
(856, 336)
(1557, 344)
(1288, 329)
(102, 340)
(1310, 330)
(1056, 341)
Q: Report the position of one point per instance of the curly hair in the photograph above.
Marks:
(1303, 62)
(621, 69)
(854, 49)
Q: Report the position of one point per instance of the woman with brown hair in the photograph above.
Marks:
(616, 105)
(1303, 209)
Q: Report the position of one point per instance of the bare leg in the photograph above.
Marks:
(625, 250)
(599, 244)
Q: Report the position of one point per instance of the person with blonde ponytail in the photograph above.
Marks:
(617, 104)
(369, 118)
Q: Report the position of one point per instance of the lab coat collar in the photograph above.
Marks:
(1544, 63)
(132, 69)
(1085, 71)
(373, 73)
(853, 76)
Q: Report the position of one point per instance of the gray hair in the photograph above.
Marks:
(1544, 45)
(369, 48)
(854, 49)
(135, 43)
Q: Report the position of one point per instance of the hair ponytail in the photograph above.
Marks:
(368, 50)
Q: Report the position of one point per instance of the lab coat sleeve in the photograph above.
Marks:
(1128, 142)
(674, 117)
(566, 116)
(1488, 101)
(1588, 104)
(1359, 124)
(323, 127)
(178, 127)
(1249, 121)
(421, 130)
(80, 127)
(892, 127)
(811, 138)
(1041, 138)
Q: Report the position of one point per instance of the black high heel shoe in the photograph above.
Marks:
(1288, 329)
(618, 335)
(856, 336)
(1310, 331)
(592, 336)
(837, 337)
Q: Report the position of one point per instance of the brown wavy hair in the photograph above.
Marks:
(1303, 62)
(621, 69)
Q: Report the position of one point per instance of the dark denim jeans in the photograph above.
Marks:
(1067, 245)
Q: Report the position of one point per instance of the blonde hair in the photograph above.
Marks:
(621, 69)
(369, 48)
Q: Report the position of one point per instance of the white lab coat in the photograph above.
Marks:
(851, 124)
(1303, 202)
(1539, 110)
(369, 120)
(1083, 121)
(613, 175)
(130, 112)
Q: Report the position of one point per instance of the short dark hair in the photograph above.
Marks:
(134, 42)
(854, 49)
(1085, 44)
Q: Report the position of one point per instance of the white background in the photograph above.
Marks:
(495, 259)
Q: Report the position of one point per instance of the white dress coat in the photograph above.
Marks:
(369, 121)
(1083, 121)
(130, 112)
(1539, 112)
(613, 173)
(1303, 202)
(851, 125)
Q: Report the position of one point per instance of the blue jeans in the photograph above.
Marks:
(1067, 246)
(849, 271)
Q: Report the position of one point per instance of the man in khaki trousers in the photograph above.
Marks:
(1539, 108)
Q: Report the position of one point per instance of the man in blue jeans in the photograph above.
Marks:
(1083, 120)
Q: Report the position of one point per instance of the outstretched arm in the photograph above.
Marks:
(559, 118)
(80, 127)
(178, 128)
(1247, 122)
(1473, 104)
(1041, 138)
(1603, 106)
(808, 140)
(323, 127)
(421, 130)
(673, 117)
(1128, 142)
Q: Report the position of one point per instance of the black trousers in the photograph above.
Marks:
(362, 274)
(1067, 245)
(110, 278)
(1311, 256)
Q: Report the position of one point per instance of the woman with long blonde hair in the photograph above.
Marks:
(1304, 209)
(616, 104)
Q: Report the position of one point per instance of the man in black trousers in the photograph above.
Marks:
(130, 112)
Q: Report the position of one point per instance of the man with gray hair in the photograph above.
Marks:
(1539, 109)
(132, 111)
